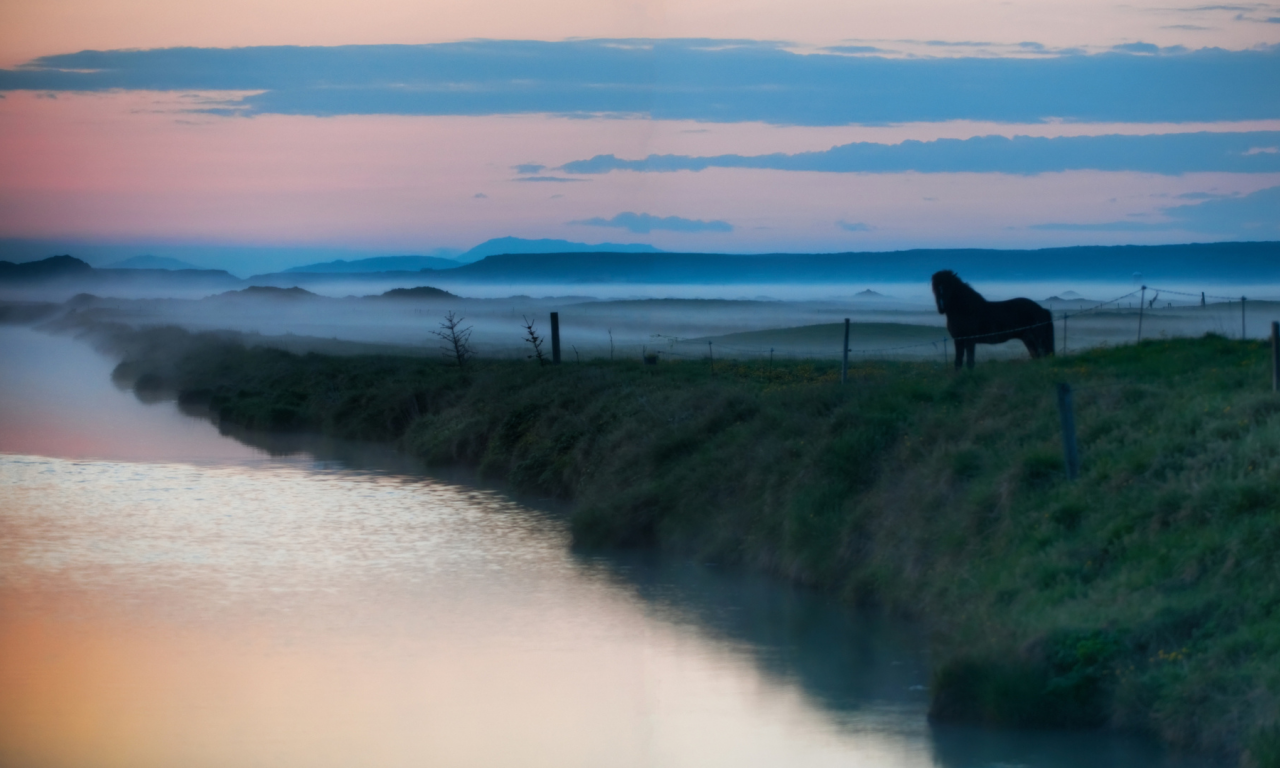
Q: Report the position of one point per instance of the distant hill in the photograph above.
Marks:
(51, 268)
(501, 245)
(267, 292)
(378, 264)
(151, 262)
(421, 292)
(60, 277)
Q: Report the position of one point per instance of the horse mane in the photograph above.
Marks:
(957, 291)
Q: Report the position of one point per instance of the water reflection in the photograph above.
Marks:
(57, 399)
(296, 601)
(847, 662)
(865, 671)
(971, 747)
(297, 615)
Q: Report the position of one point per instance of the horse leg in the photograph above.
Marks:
(968, 352)
(959, 345)
(1033, 345)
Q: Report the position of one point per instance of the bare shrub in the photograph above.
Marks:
(457, 340)
(532, 337)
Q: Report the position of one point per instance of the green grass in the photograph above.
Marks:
(1144, 595)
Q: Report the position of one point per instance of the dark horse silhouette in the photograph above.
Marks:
(973, 320)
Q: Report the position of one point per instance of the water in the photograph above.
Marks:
(172, 596)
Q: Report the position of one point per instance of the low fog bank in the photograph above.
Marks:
(588, 326)
(912, 293)
(889, 320)
(122, 283)
(192, 284)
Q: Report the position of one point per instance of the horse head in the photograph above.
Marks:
(944, 283)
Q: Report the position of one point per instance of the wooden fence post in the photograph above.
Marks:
(1242, 336)
(1275, 356)
(844, 365)
(555, 338)
(1070, 451)
(1064, 333)
(1142, 303)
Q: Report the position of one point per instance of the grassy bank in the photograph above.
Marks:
(1143, 595)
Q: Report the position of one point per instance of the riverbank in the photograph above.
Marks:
(1143, 595)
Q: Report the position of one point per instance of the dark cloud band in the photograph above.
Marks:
(715, 81)
(1245, 152)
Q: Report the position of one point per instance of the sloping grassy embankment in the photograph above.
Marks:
(1144, 595)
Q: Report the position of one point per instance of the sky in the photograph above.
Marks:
(270, 131)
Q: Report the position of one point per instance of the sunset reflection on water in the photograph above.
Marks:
(160, 615)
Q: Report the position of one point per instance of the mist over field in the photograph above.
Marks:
(894, 320)
(675, 306)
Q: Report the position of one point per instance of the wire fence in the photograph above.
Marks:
(898, 332)
(671, 346)
(878, 351)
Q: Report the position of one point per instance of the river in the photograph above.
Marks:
(173, 596)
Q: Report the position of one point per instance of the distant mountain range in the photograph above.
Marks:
(507, 245)
(1207, 264)
(377, 264)
(444, 258)
(151, 262)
